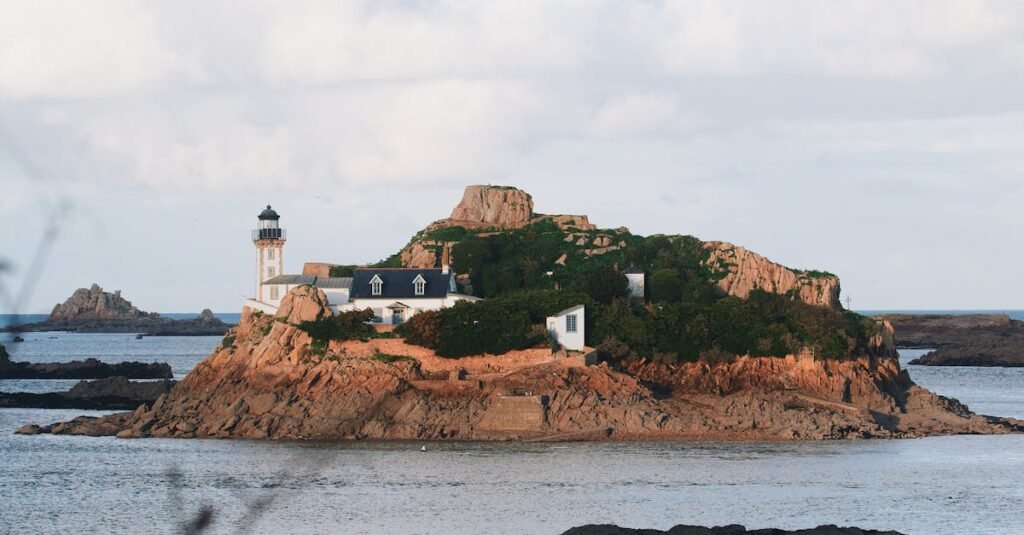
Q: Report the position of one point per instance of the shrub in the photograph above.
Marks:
(423, 329)
(384, 357)
(605, 285)
(665, 286)
(228, 341)
(342, 271)
(348, 325)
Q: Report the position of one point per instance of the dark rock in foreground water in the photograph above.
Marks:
(608, 529)
(113, 393)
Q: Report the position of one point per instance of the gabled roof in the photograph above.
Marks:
(398, 283)
(566, 311)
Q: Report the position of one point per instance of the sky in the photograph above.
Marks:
(878, 140)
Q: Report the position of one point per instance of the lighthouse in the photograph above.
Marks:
(269, 238)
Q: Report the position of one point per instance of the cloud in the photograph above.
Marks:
(874, 39)
(634, 114)
(84, 49)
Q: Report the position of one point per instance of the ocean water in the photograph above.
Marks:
(49, 484)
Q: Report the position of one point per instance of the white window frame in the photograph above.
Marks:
(270, 254)
(271, 272)
(571, 323)
(274, 292)
(376, 285)
(419, 285)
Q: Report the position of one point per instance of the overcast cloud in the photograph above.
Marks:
(879, 140)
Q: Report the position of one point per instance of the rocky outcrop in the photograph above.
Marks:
(113, 393)
(78, 369)
(747, 271)
(95, 304)
(269, 383)
(961, 340)
(305, 303)
(94, 311)
(497, 206)
(734, 529)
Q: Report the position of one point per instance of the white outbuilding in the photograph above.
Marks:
(567, 328)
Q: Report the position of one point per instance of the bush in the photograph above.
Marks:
(348, 325)
(342, 271)
(605, 285)
(665, 286)
(423, 329)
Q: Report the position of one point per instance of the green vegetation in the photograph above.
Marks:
(530, 273)
(384, 357)
(446, 234)
(349, 325)
(342, 271)
(228, 341)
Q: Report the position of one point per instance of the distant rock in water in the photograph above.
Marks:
(94, 304)
(112, 393)
(607, 529)
(92, 310)
(961, 340)
(78, 369)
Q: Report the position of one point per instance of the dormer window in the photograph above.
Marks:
(376, 285)
(419, 285)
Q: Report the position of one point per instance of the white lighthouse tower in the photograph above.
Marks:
(269, 238)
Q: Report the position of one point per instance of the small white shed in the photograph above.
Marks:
(567, 328)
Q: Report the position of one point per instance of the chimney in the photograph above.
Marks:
(445, 258)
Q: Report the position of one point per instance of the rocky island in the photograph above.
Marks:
(92, 310)
(721, 344)
(961, 340)
(81, 369)
(112, 393)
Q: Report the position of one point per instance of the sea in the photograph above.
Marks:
(64, 484)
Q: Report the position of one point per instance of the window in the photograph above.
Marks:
(270, 254)
(420, 286)
(570, 323)
(271, 272)
(274, 292)
(375, 286)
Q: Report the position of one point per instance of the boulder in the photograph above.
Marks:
(304, 303)
(500, 206)
(95, 304)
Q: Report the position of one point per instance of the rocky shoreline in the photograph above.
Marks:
(112, 393)
(735, 529)
(81, 369)
(961, 340)
(269, 383)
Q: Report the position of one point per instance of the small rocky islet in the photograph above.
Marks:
(271, 379)
(93, 310)
(990, 340)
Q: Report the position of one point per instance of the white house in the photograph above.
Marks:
(397, 294)
(635, 278)
(567, 328)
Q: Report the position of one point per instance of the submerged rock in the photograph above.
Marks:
(113, 393)
(735, 529)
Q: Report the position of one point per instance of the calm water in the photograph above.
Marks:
(72, 484)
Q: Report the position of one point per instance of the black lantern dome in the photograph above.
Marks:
(268, 214)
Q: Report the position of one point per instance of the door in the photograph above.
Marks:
(396, 316)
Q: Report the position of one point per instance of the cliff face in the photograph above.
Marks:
(95, 304)
(748, 271)
(268, 384)
(493, 205)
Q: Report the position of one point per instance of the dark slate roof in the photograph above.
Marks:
(291, 279)
(333, 282)
(269, 213)
(398, 283)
